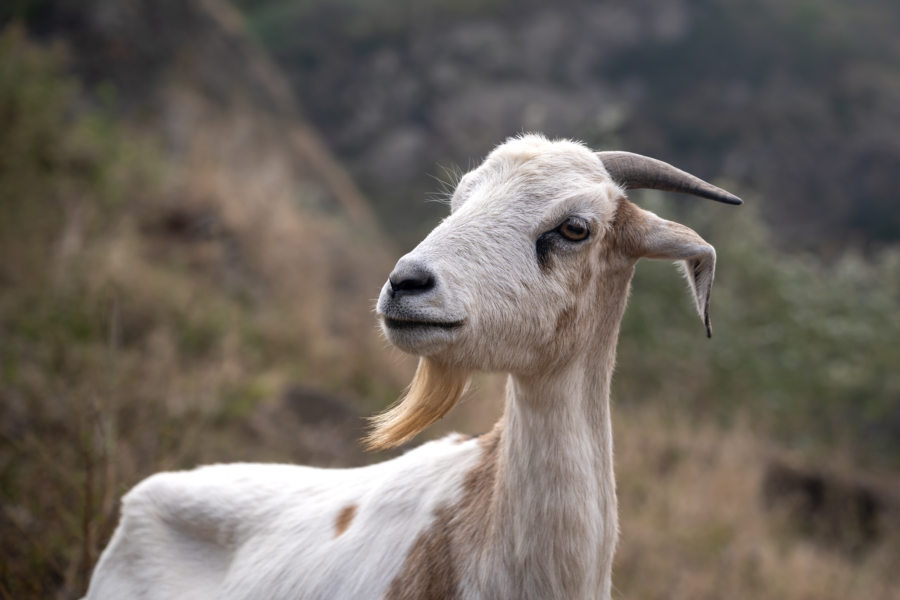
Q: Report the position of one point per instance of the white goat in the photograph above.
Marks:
(529, 275)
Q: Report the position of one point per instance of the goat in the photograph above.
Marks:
(529, 276)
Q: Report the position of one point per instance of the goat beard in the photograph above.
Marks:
(434, 390)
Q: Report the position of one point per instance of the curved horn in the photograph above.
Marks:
(635, 171)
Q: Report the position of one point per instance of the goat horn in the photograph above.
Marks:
(634, 171)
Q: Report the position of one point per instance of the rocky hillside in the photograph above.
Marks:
(795, 102)
(237, 166)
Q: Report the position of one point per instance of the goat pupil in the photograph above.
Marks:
(574, 229)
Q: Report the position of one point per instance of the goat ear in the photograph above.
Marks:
(659, 238)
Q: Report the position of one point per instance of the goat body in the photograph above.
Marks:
(528, 276)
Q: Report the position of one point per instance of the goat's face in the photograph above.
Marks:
(531, 266)
(510, 280)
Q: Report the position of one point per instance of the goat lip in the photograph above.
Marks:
(414, 324)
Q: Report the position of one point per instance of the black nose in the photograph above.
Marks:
(411, 279)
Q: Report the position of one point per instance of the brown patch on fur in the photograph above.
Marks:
(626, 234)
(430, 571)
(480, 484)
(344, 518)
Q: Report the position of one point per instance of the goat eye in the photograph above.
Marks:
(574, 229)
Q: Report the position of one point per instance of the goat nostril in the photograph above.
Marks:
(411, 280)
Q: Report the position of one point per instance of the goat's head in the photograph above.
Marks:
(521, 275)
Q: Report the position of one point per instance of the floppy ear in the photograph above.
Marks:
(653, 237)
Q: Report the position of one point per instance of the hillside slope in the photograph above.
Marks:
(187, 273)
(794, 100)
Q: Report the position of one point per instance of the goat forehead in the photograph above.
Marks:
(531, 146)
(524, 202)
(544, 159)
(526, 174)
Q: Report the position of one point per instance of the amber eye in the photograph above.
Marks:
(574, 229)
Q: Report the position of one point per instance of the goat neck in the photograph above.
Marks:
(554, 515)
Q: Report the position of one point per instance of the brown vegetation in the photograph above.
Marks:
(157, 309)
(695, 524)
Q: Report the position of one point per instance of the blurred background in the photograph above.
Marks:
(199, 201)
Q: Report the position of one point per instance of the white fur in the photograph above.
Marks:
(255, 531)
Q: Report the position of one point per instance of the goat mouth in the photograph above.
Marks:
(410, 324)
(414, 324)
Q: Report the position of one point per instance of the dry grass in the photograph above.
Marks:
(694, 524)
(150, 349)
(168, 325)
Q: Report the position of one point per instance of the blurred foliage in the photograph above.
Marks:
(355, 20)
(802, 92)
(693, 524)
(56, 175)
(52, 161)
(794, 99)
(808, 348)
(130, 342)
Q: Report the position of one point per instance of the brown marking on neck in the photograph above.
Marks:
(431, 569)
(344, 518)
(480, 482)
